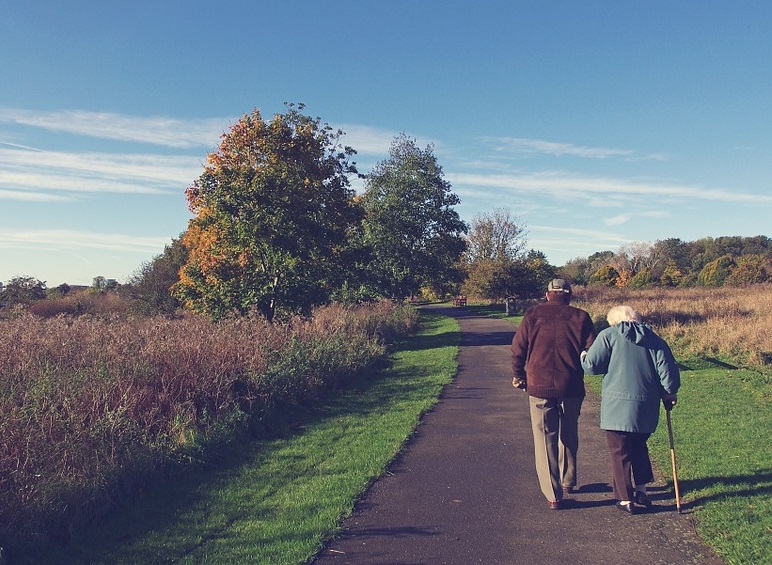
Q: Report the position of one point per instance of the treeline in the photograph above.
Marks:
(494, 265)
(711, 262)
(277, 229)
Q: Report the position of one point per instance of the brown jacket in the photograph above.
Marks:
(546, 348)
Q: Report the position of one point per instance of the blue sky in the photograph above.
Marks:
(596, 123)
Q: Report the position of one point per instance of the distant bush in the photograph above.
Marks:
(91, 408)
(641, 279)
(749, 269)
(716, 272)
(605, 276)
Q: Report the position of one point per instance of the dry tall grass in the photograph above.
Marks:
(90, 408)
(722, 322)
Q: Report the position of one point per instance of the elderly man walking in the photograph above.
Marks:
(546, 363)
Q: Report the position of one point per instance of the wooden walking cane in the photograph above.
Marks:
(668, 408)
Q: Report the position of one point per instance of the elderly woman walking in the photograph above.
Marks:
(639, 370)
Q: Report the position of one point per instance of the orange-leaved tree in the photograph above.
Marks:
(272, 208)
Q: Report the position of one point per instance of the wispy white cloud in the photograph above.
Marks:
(36, 170)
(368, 140)
(25, 196)
(567, 185)
(572, 233)
(655, 214)
(573, 242)
(71, 240)
(159, 130)
(17, 146)
(73, 183)
(527, 146)
(617, 220)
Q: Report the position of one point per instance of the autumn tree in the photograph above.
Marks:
(272, 211)
(497, 264)
(672, 275)
(496, 235)
(411, 228)
(731, 260)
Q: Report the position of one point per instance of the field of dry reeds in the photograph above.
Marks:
(726, 323)
(92, 407)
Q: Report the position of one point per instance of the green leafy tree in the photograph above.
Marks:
(150, 286)
(58, 292)
(22, 291)
(757, 245)
(605, 276)
(358, 284)
(272, 208)
(576, 270)
(675, 254)
(641, 279)
(535, 275)
(704, 251)
(716, 272)
(413, 232)
(672, 275)
(749, 269)
(599, 259)
(100, 284)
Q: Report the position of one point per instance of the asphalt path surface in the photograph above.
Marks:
(464, 490)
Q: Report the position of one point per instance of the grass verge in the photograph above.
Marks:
(722, 434)
(277, 501)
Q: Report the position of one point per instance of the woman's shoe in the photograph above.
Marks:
(626, 507)
(643, 499)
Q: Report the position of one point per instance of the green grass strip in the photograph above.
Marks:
(722, 438)
(278, 501)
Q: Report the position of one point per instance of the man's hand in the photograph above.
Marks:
(668, 401)
(519, 383)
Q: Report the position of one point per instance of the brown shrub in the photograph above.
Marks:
(90, 407)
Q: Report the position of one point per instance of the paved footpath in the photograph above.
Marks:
(465, 491)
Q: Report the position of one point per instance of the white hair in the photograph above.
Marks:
(622, 313)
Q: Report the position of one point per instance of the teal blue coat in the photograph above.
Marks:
(638, 368)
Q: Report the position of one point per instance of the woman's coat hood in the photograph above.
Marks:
(636, 332)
